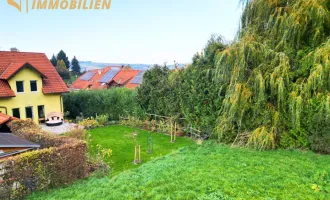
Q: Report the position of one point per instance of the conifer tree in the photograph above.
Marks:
(62, 70)
(75, 66)
(62, 56)
(53, 60)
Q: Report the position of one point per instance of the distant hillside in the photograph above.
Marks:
(87, 65)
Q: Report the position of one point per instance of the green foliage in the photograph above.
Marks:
(213, 171)
(78, 133)
(53, 60)
(62, 56)
(189, 93)
(115, 103)
(319, 125)
(75, 66)
(61, 160)
(152, 94)
(264, 83)
(278, 65)
(89, 123)
(62, 70)
(134, 122)
(121, 141)
(102, 119)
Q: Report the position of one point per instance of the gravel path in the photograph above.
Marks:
(65, 127)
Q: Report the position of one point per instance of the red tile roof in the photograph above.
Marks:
(123, 78)
(14, 68)
(5, 90)
(12, 62)
(5, 118)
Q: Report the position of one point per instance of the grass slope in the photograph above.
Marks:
(121, 141)
(212, 171)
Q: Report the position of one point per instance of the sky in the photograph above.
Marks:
(132, 31)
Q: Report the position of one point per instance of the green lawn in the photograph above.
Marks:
(212, 171)
(122, 143)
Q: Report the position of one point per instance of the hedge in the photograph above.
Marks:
(61, 161)
(115, 103)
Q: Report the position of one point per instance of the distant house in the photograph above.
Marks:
(30, 86)
(108, 77)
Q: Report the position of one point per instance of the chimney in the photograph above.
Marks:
(13, 49)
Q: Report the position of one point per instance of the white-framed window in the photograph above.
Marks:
(16, 113)
(29, 112)
(20, 86)
(33, 86)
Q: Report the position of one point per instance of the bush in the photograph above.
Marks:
(102, 119)
(78, 133)
(115, 103)
(61, 161)
(89, 123)
(319, 126)
(28, 130)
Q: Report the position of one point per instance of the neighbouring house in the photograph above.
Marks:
(30, 86)
(107, 78)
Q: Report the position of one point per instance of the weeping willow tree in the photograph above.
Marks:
(276, 75)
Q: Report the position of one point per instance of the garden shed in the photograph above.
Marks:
(11, 145)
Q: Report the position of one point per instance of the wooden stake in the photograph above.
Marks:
(139, 153)
(191, 134)
(175, 133)
(171, 131)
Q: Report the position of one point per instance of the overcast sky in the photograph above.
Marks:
(132, 31)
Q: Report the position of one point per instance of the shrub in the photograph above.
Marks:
(114, 103)
(319, 127)
(102, 119)
(78, 133)
(60, 161)
(263, 138)
(133, 122)
(89, 123)
(28, 130)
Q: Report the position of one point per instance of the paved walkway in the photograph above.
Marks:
(64, 128)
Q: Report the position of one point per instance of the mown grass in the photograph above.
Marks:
(212, 171)
(122, 143)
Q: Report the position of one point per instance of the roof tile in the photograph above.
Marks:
(12, 62)
(124, 77)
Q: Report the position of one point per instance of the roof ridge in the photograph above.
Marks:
(21, 52)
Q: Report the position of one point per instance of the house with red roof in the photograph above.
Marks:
(108, 77)
(30, 86)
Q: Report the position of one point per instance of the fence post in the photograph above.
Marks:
(175, 133)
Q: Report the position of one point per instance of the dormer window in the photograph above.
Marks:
(20, 86)
(33, 86)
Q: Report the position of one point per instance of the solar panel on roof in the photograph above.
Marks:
(109, 75)
(87, 76)
(138, 78)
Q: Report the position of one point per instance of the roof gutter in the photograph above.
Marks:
(3, 155)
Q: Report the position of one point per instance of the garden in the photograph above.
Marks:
(211, 171)
(247, 119)
(121, 140)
